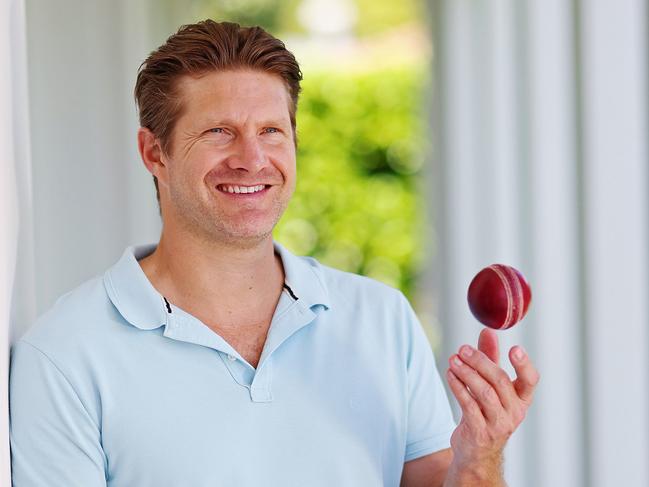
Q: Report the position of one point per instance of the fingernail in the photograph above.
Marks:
(519, 353)
(466, 351)
(457, 361)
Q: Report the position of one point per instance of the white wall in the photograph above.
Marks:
(92, 194)
(540, 120)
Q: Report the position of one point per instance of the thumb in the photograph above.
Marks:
(488, 344)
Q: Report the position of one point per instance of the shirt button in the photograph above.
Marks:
(231, 358)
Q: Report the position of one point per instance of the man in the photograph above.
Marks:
(216, 357)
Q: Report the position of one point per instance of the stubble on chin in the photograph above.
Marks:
(208, 223)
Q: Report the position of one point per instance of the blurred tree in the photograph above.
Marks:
(375, 17)
(282, 16)
(276, 16)
(361, 147)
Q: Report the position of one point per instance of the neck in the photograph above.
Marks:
(215, 278)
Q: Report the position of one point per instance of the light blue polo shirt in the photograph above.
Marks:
(114, 386)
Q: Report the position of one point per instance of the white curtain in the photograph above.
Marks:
(541, 134)
(16, 258)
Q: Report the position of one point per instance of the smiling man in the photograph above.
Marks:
(217, 357)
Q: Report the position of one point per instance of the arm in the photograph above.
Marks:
(438, 470)
(54, 440)
(427, 471)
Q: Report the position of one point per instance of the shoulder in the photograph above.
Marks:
(323, 284)
(347, 287)
(379, 315)
(65, 351)
(77, 319)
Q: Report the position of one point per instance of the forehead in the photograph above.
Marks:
(235, 94)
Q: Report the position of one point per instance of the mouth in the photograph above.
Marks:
(239, 191)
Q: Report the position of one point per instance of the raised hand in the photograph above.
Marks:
(493, 405)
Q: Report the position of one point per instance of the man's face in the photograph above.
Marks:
(234, 135)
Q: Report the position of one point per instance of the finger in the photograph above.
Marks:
(482, 391)
(493, 374)
(488, 344)
(527, 377)
(470, 409)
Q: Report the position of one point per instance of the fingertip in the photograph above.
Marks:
(488, 331)
(519, 354)
(488, 344)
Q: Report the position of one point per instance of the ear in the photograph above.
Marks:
(152, 154)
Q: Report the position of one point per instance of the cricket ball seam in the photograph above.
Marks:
(519, 293)
(508, 292)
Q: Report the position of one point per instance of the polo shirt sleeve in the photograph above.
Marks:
(430, 420)
(54, 440)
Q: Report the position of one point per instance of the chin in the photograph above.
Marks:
(244, 241)
(247, 234)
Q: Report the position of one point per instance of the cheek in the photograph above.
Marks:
(193, 169)
(180, 174)
(186, 182)
(286, 160)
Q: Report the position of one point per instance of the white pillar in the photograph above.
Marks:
(541, 110)
(553, 161)
(615, 178)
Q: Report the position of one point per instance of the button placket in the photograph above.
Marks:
(239, 371)
(260, 389)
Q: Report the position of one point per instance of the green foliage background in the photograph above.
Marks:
(361, 149)
(280, 16)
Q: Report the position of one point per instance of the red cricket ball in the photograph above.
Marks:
(499, 296)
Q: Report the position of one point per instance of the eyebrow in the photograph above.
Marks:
(229, 122)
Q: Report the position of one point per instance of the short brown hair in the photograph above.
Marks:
(199, 48)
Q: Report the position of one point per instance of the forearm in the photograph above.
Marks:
(487, 473)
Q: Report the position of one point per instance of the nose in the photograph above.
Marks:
(250, 155)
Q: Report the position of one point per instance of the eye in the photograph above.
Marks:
(219, 135)
(271, 130)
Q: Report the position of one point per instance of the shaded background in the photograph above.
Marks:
(435, 138)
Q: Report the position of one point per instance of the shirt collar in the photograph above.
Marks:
(304, 276)
(131, 291)
(144, 307)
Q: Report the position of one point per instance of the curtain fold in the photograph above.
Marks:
(16, 259)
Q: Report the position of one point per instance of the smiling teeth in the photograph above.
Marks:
(241, 189)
